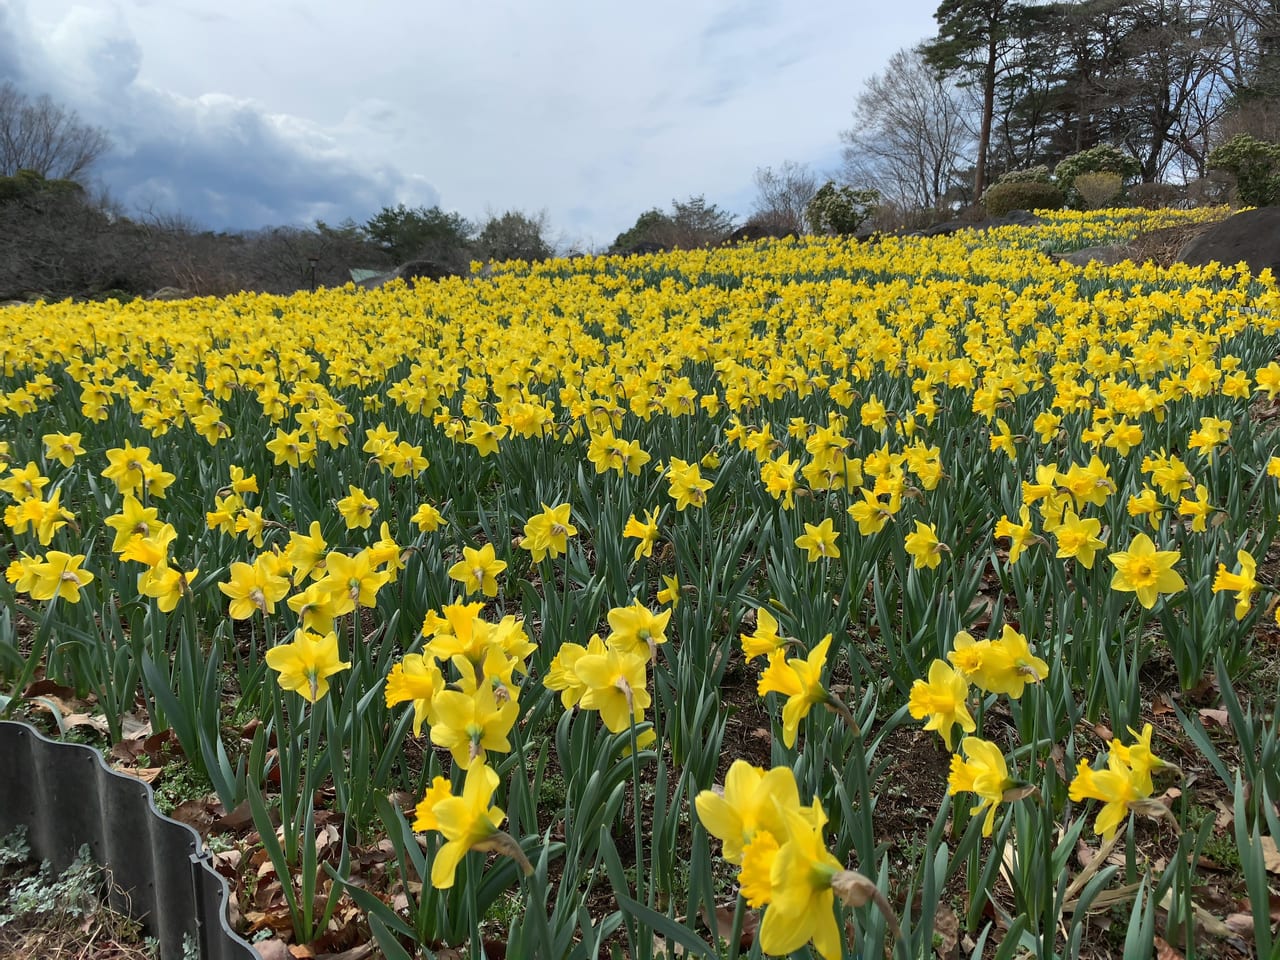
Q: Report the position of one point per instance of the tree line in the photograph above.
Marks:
(1008, 105)
(1007, 86)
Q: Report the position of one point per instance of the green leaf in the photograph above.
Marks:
(662, 924)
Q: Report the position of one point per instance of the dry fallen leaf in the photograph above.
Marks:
(1219, 717)
(93, 721)
(1226, 816)
(724, 924)
(1166, 952)
(145, 774)
(48, 688)
(1270, 855)
(946, 929)
(133, 727)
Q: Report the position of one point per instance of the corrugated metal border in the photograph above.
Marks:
(67, 796)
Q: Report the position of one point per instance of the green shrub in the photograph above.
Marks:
(1028, 195)
(1036, 174)
(1098, 189)
(1103, 158)
(841, 210)
(1256, 166)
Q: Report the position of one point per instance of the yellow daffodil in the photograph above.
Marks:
(646, 532)
(58, 574)
(1078, 538)
(800, 681)
(637, 629)
(687, 485)
(924, 546)
(1116, 787)
(241, 482)
(127, 467)
(1140, 760)
(944, 700)
(1146, 571)
(870, 514)
(1198, 509)
(307, 553)
(1020, 535)
(427, 518)
(765, 641)
(470, 724)
(166, 585)
(357, 508)
(416, 679)
(753, 801)
(352, 581)
(670, 593)
(820, 541)
(252, 588)
(779, 478)
(466, 821)
(802, 901)
(982, 771)
(615, 686)
(562, 677)
(478, 570)
(306, 663)
(1243, 582)
(293, 448)
(547, 533)
(63, 447)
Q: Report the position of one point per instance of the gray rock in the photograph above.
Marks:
(170, 293)
(409, 272)
(1018, 218)
(1252, 236)
(1108, 255)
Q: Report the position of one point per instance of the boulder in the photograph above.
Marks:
(170, 293)
(1252, 236)
(409, 272)
(750, 232)
(1108, 255)
(1018, 218)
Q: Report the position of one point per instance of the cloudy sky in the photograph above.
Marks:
(245, 113)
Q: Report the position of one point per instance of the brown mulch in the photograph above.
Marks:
(1162, 246)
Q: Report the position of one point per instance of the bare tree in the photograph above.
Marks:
(911, 135)
(38, 134)
(783, 195)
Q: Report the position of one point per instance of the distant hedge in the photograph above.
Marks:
(1029, 195)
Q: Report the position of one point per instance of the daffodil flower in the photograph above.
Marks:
(800, 681)
(478, 570)
(1146, 571)
(466, 821)
(547, 533)
(305, 664)
(943, 699)
(1243, 582)
(819, 540)
(982, 771)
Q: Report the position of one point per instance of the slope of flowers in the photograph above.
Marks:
(548, 515)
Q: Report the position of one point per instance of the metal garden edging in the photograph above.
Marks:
(67, 796)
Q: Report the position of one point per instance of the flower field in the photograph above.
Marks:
(901, 599)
